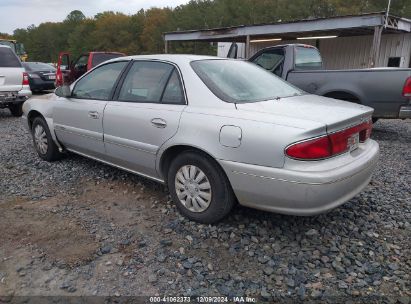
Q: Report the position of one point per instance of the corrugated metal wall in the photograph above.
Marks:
(353, 52)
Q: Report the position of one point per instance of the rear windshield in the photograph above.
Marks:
(99, 58)
(307, 58)
(241, 81)
(38, 66)
(8, 59)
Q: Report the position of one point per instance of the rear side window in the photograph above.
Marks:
(173, 93)
(8, 59)
(152, 82)
(307, 58)
(100, 58)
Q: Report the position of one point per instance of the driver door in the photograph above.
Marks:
(78, 120)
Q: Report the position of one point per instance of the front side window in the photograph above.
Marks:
(81, 62)
(152, 82)
(241, 81)
(271, 60)
(99, 83)
(307, 58)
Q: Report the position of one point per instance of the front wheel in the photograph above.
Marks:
(200, 188)
(43, 142)
(16, 110)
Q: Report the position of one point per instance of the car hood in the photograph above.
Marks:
(335, 114)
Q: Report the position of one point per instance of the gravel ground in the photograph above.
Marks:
(78, 227)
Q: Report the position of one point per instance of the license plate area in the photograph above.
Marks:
(353, 142)
(7, 96)
(52, 77)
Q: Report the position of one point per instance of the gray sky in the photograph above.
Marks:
(22, 13)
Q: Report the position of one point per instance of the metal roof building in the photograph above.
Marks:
(367, 40)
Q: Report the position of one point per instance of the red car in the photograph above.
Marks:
(68, 71)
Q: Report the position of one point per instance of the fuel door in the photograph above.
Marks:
(230, 136)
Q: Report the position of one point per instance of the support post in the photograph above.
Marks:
(375, 48)
(165, 47)
(247, 47)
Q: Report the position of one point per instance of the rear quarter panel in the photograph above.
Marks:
(263, 137)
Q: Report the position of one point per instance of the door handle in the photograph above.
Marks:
(159, 122)
(93, 115)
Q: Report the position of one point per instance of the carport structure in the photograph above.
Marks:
(363, 31)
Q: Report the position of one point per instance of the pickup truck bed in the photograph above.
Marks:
(380, 89)
(387, 90)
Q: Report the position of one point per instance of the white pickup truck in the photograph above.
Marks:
(14, 82)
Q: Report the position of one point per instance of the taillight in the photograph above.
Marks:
(406, 91)
(329, 145)
(316, 148)
(25, 79)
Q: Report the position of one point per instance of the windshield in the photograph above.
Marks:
(38, 66)
(20, 49)
(241, 81)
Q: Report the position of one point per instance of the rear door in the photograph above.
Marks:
(78, 120)
(11, 71)
(145, 115)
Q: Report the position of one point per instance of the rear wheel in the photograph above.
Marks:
(16, 109)
(43, 142)
(199, 188)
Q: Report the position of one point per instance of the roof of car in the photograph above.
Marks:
(170, 57)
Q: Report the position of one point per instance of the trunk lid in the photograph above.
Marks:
(335, 114)
(47, 75)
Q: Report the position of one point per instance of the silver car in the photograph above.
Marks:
(215, 131)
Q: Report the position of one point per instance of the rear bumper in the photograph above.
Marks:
(301, 192)
(9, 98)
(405, 112)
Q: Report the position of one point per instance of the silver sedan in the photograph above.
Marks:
(216, 131)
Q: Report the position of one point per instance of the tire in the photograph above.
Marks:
(216, 203)
(16, 109)
(41, 133)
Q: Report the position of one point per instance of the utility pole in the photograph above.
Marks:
(387, 14)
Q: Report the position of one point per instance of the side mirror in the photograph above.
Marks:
(63, 91)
